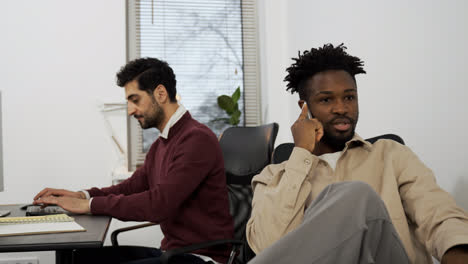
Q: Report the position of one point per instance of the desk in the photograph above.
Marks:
(63, 243)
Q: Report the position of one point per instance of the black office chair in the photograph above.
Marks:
(246, 151)
(283, 151)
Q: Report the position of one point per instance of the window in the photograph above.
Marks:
(211, 46)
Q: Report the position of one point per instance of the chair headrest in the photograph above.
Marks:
(247, 150)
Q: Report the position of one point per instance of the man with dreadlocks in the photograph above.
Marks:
(341, 199)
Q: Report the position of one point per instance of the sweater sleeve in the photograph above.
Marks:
(135, 184)
(195, 155)
(280, 194)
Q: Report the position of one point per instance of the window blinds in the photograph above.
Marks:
(211, 46)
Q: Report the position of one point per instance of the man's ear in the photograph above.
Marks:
(300, 103)
(160, 94)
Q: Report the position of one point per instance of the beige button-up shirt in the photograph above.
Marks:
(426, 217)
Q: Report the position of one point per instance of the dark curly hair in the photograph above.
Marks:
(318, 60)
(149, 72)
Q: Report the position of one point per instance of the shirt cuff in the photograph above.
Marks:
(86, 193)
(88, 197)
(301, 161)
(90, 200)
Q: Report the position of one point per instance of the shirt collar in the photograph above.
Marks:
(357, 140)
(173, 120)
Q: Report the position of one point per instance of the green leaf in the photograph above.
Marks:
(225, 102)
(237, 113)
(236, 95)
(230, 105)
(234, 120)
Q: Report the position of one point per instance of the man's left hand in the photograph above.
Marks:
(456, 255)
(71, 204)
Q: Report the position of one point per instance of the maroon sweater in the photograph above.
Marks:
(181, 186)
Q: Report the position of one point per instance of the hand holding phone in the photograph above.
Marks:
(307, 131)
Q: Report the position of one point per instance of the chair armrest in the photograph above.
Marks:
(125, 229)
(167, 255)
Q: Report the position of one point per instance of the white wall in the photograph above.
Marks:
(277, 106)
(58, 61)
(59, 58)
(417, 71)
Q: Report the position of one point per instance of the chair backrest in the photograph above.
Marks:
(387, 136)
(246, 151)
(283, 151)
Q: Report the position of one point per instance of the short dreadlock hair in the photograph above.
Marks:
(318, 60)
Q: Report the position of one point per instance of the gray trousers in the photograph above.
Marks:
(346, 223)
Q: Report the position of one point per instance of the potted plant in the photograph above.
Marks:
(230, 105)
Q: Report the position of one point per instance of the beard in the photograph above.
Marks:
(337, 139)
(153, 117)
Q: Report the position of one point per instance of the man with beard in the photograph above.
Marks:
(341, 199)
(181, 185)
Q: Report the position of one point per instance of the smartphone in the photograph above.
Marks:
(309, 115)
